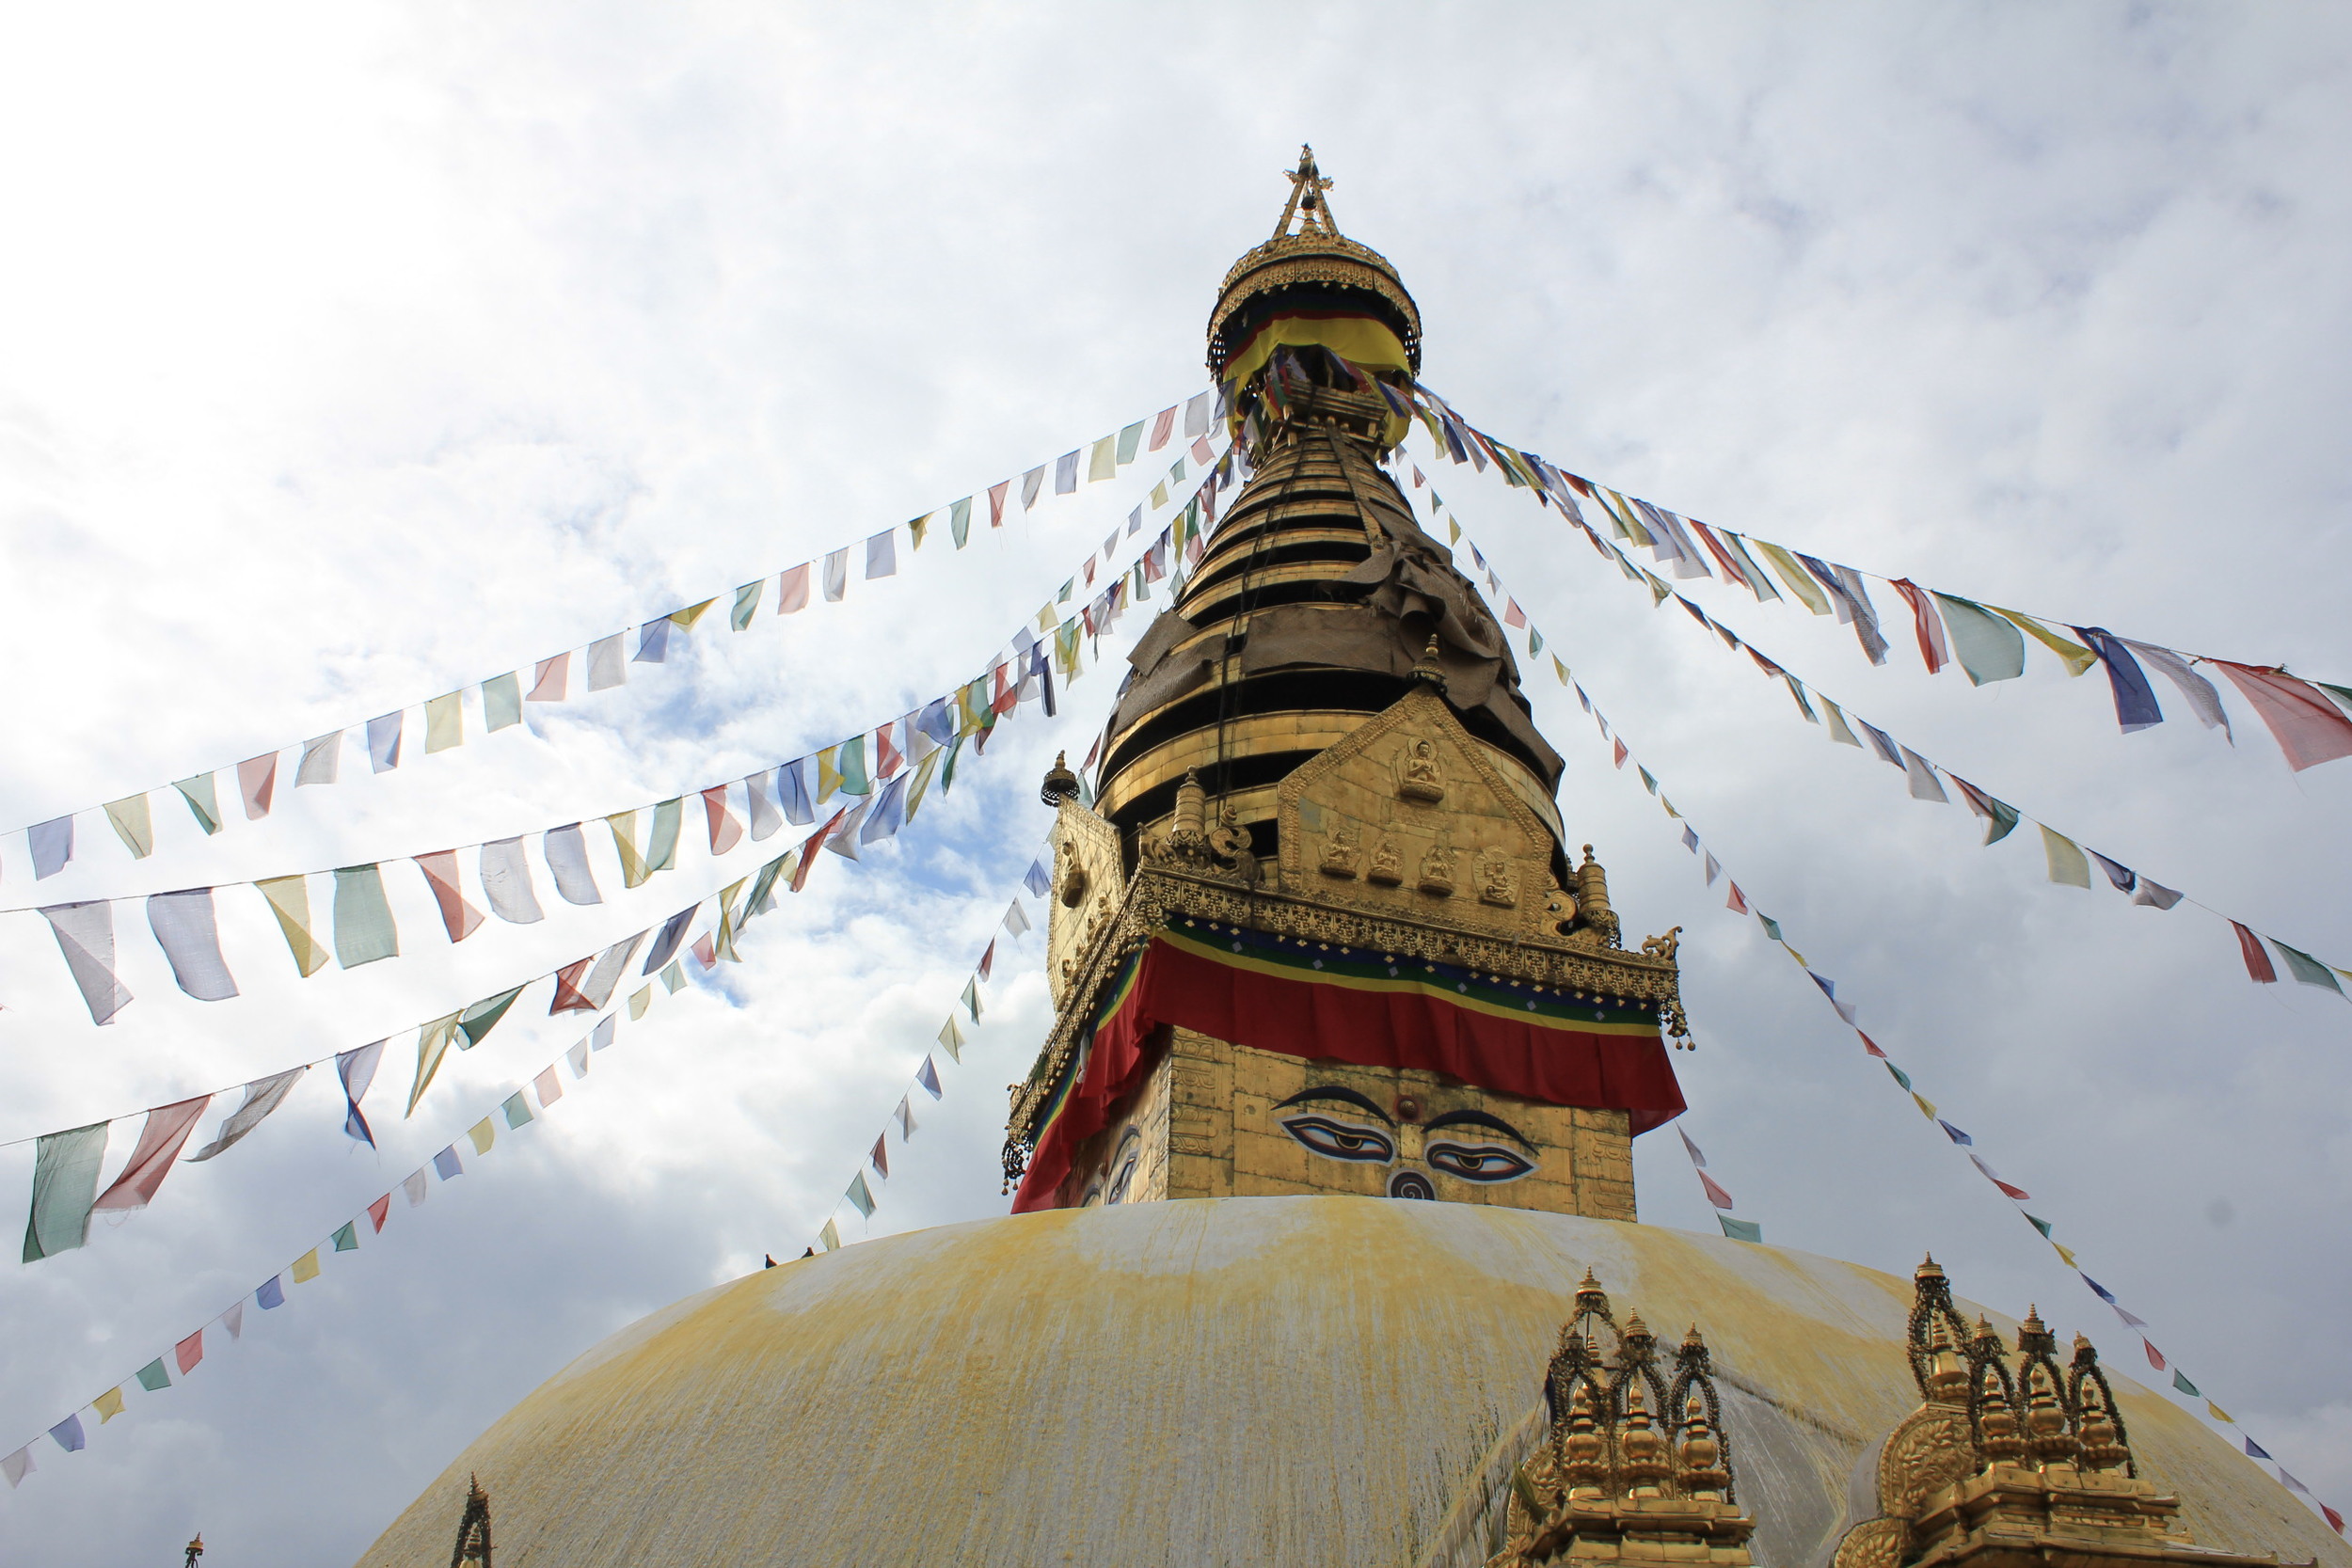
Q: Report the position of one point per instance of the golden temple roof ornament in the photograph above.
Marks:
(1308, 186)
(2009, 1465)
(1637, 1467)
(473, 1528)
(1312, 266)
(1059, 781)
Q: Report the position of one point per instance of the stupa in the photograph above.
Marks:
(1324, 1247)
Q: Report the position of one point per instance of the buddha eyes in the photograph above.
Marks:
(1477, 1162)
(1335, 1140)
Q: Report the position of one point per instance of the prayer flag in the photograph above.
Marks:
(306, 1268)
(1922, 777)
(2309, 730)
(2120, 875)
(135, 823)
(1926, 624)
(1737, 903)
(928, 1075)
(793, 793)
(2000, 816)
(262, 1097)
(950, 1041)
(918, 526)
(1715, 1193)
(257, 780)
(879, 1157)
(502, 703)
(189, 1351)
(433, 1042)
(837, 574)
(64, 1184)
(444, 723)
(204, 804)
(1927, 1109)
(665, 946)
(549, 1086)
(517, 1109)
(153, 1377)
(1741, 1231)
(506, 882)
(576, 1053)
(363, 921)
(1871, 1046)
(1690, 1149)
(380, 1211)
(475, 1022)
(1621, 753)
(383, 745)
(550, 679)
(1990, 1175)
(861, 1197)
(2202, 699)
(606, 666)
(1714, 869)
(829, 1238)
(988, 961)
(1162, 428)
(415, 1185)
(445, 1163)
(684, 619)
(888, 812)
(109, 1404)
(2135, 706)
(86, 936)
(1837, 730)
(165, 1133)
(624, 826)
(726, 832)
(568, 859)
(289, 899)
(1066, 473)
(1031, 483)
(2156, 1357)
(2184, 1385)
(905, 1117)
(1800, 581)
(2305, 968)
(1130, 439)
(1955, 1134)
(2250, 948)
(2155, 895)
(960, 521)
(1883, 743)
(189, 934)
(996, 503)
(766, 819)
(2066, 861)
(881, 554)
(482, 1135)
(16, 1466)
(346, 1236)
(793, 590)
(355, 1069)
(746, 604)
(1016, 918)
(972, 998)
(662, 853)
(1037, 881)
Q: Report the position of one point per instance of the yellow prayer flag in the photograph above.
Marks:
(1560, 669)
(483, 1135)
(2065, 858)
(917, 525)
(830, 1237)
(1629, 523)
(109, 1404)
(828, 774)
(2062, 1251)
(722, 945)
(1047, 620)
(1927, 1107)
(444, 723)
(923, 772)
(1453, 528)
(2078, 658)
(1800, 581)
(684, 620)
(2218, 1413)
(433, 1042)
(306, 1268)
(289, 901)
(133, 824)
(1159, 495)
(639, 1003)
(624, 826)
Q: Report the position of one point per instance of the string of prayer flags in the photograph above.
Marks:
(1987, 641)
(1738, 1230)
(2067, 862)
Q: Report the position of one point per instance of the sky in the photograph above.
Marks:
(352, 355)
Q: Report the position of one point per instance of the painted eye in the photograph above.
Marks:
(1118, 1193)
(1478, 1161)
(1335, 1140)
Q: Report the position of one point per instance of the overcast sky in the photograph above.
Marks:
(352, 353)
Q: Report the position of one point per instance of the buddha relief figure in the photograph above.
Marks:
(1436, 871)
(1421, 778)
(1384, 868)
(1339, 853)
(1495, 885)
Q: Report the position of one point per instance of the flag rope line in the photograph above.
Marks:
(654, 637)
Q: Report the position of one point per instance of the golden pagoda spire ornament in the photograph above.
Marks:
(1308, 201)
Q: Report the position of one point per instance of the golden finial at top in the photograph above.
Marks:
(1306, 203)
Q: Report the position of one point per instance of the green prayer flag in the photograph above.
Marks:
(1740, 1231)
(2184, 1385)
(64, 1184)
(852, 761)
(1063, 596)
(947, 774)
(2305, 968)
(517, 1109)
(746, 604)
(2005, 821)
(476, 1022)
(673, 977)
(764, 886)
(363, 921)
(1648, 782)
(348, 1239)
(2343, 694)
(202, 801)
(501, 701)
(861, 1197)
(1129, 439)
(1658, 592)
(972, 997)
(153, 1378)
(960, 520)
(1988, 647)
(1796, 690)
(2042, 1226)
(1900, 1076)
(1535, 643)
(662, 853)
(2065, 857)
(1771, 926)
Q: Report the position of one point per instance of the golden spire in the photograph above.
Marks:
(1307, 187)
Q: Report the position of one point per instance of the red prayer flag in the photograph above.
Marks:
(1092, 751)
(988, 961)
(705, 951)
(880, 1158)
(188, 1351)
(1871, 1046)
(2011, 1190)
(380, 1211)
(1622, 754)
(2156, 1357)
(793, 590)
(1722, 557)
(568, 994)
(458, 917)
(2335, 1520)
(2308, 727)
(159, 1142)
(1513, 615)
(1926, 623)
(2257, 957)
(1715, 1194)
(888, 759)
(808, 852)
(1737, 903)
(1162, 428)
(726, 832)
